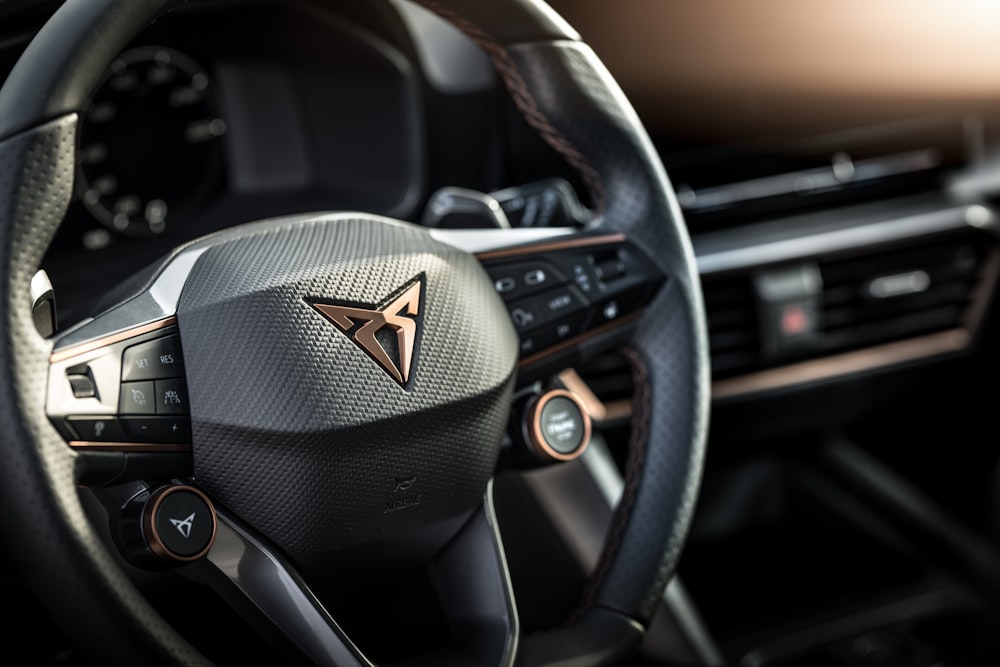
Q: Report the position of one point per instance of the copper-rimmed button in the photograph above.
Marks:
(557, 426)
(179, 523)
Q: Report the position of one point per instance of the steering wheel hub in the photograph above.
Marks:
(354, 368)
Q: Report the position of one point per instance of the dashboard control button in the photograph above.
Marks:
(176, 430)
(153, 360)
(171, 397)
(95, 429)
(137, 398)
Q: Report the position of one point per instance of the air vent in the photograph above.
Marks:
(734, 338)
(905, 292)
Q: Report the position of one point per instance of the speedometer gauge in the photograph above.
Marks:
(149, 142)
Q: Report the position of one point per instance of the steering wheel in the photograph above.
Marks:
(349, 378)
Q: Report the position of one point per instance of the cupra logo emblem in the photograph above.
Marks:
(372, 330)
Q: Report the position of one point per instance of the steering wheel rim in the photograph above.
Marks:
(566, 94)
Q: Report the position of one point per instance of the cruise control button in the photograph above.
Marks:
(96, 429)
(153, 360)
(171, 397)
(137, 398)
(176, 430)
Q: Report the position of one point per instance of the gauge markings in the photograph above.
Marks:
(148, 143)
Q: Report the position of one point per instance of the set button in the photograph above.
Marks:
(153, 360)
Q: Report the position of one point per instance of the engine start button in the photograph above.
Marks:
(558, 426)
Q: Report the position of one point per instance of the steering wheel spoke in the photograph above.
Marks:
(569, 293)
(470, 577)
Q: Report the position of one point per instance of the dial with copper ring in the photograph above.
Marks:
(557, 425)
(179, 523)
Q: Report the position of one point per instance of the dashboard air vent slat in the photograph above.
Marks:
(898, 293)
(734, 338)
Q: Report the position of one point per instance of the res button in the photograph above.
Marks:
(153, 360)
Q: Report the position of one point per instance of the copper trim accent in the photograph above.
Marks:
(983, 291)
(536, 438)
(400, 315)
(576, 340)
(90, 346)
(155, 542)
(551, 246)
(870, 358)
(598, 410)
(159, 447)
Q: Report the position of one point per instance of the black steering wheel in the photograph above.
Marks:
(349, 377)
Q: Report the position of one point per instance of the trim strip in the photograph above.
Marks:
(576, 340)
(98, 343)
(85, 445)
(598, 410)
(870, 358)
(576, 242)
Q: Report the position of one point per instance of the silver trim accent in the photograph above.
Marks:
(477, 241)
(273, 587)
(155, 303)
(451, 200)
(729, 250)
(281, 596)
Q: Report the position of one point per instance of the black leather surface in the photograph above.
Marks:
(41, 517)
(580, 101)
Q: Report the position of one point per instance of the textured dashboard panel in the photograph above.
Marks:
(301, 433)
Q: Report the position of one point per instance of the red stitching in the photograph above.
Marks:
(523, 99)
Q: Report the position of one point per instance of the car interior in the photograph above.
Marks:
(832, 176)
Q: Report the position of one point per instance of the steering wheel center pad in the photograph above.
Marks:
(294, 339)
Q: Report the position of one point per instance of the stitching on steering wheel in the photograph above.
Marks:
(633, 469)
(524, 100)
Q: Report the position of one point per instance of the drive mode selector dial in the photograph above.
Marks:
(557, 426)
(179, 523)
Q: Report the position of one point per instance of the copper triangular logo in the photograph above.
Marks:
(361, 325)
